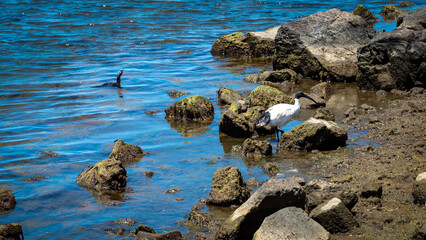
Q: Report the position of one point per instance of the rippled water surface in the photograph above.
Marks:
(54, 52)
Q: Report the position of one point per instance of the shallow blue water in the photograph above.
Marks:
(53, 52)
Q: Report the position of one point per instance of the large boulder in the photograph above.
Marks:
(323, 45)
(256, 148)
(396, 59)
(314, 134)
(226, 96)
(126, 153)
(11, 231)
(7, 199)
(334, 216)
(173, 235)
(228, 188)
(363, 12)
(391, 12)
(196, 108)
(252, 44)
(419, 191)
(290, 223)
(108, 174)
(274, 195)
(266, 96)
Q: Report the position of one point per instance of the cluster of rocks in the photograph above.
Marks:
(340, 46)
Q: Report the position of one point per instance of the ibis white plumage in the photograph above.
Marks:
(279, 115)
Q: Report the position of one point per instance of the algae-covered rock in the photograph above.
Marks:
(363, 12)
(391, 12)
(266, 96)
(228, 188)
(7, 199)
(253, 78)
(419, 191)
(334, 216)
(242, 124)
(274, 195)
(143, 228)
(173, 235)
(126, 153)
(290, 223)
(227, 96)
(278, 75)
(196, 108)
(108, 174)
(314, 134)
(256, 148)
(11, 231)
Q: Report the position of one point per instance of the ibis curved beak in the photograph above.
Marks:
(306, 96)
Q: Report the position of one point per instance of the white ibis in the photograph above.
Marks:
(279, 115)
(116, 84)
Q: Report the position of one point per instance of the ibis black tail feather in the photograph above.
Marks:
(264, 119)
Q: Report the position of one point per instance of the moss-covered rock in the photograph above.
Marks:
(242, 124)
(278, 75)
(196, 108)
(391, 12)
(256, 148)
(227, 96)
(7, 199)
(231, 45)
(126, 153)
(108, 174)
(314, 134)
(266, 96)
(11, 231)
(228, 188)
(363, 12)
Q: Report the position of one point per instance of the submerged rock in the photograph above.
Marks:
(228, 188)
(394, 60)
(252, 183)
(7, 199)
(274, 195)
(256, 148)
(176, 94)
(196, 108)
(125, 222)
(11, 231)
(108, 174)
(227, 96)
(324, 90)
(126, 153)
(363, 12)
(391, 12)
(173, 235)
(406, 4)
(334, 216)
(143, 228)
(271, 169)
(322, 46)
(202, 219)
(290, 223)
(419, 191)
(314, 134)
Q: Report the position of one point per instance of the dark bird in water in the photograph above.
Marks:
(279, 115)
(116, 84)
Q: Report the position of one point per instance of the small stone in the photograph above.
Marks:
(252, 183)
(116, 231)
(256, 148)
(271, 169)
(176, 94)
(419, 190)
(34, 178)
(179, 199)
(125, 222)
(7, 199)
(143, 228)
(373, 120)
(148, 174)
(173, 190)
(253, 78)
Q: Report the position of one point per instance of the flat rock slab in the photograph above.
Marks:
(290, 224)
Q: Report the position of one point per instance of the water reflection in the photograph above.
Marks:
(190, 128)
(109, 197)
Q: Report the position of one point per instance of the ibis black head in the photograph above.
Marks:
(300, 94)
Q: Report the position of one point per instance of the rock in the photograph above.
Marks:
(308, 104)
(419, 191)
(144, 228)
(278, 76)
(173, 190)
(290, 223)
(7, 199)
(271, 169)
(253, 78)
(266, 97)
(324, 113)
(406, 4)
(227, 96)
(125, 222)
(394, 60)
(256, 148)
(48, 154)
(252, 44)
(228, 188)
(34, 178)
(176, 94)
(173, 235)
(117, 231)
(252, 183)
(366, 14)
(203, 219)
(314, 134)
(108, 174)
(373, 120)
(196, 108)
(11, 231)
(148, 174)
(274, 195)
(391, 12)
(324, 90)
(126, 153)
(322, 46)
(240, 106)
(371, 189)
(334, 216)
